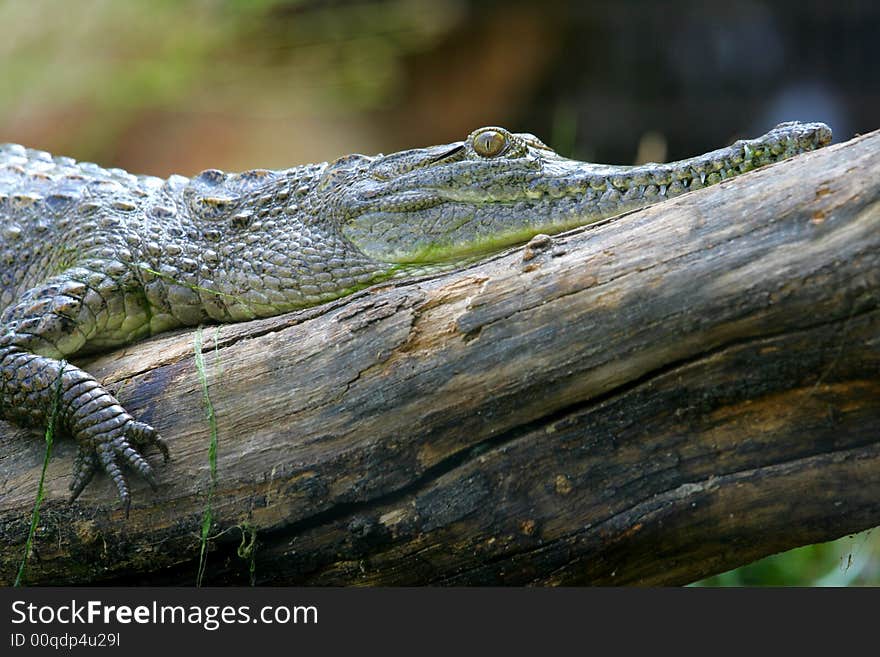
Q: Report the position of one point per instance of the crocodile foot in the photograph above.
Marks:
(111, 445)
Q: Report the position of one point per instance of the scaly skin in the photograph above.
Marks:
(92, 258)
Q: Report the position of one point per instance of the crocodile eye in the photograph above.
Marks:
(489, 143)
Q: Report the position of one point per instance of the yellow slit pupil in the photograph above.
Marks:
(489, 143)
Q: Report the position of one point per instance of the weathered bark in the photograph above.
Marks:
(648, 400)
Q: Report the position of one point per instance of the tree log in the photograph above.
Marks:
(647, 400)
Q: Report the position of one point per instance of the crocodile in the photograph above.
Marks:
(93, 258)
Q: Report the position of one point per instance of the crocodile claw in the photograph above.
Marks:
(84, 467)
(112, 451)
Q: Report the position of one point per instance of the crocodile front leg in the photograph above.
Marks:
(48, 324)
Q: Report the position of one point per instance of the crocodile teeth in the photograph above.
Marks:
(662, 190)
(702, 178)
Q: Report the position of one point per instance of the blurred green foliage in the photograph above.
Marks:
(849, 561)
(110, 62)
(146, 51)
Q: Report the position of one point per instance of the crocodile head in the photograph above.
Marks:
(498, 188)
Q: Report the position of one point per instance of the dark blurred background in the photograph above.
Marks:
(159, 86)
